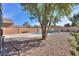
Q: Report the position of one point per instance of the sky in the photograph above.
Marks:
(14, 12)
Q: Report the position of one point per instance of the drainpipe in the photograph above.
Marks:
(1, 31)
(1, 34)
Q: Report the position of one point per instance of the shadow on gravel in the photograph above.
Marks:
(18, 47)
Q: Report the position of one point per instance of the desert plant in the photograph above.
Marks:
(74, 44)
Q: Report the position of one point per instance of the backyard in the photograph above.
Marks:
(39, 29)
(56, 44)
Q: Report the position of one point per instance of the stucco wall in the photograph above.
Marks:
(13, 30)
(9, 30)
(33, 29)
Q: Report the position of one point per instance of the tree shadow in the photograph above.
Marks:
(17, 47)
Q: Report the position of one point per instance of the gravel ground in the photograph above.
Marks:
(55, 45)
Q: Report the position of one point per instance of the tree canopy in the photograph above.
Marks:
(45, 12)
(74, 19)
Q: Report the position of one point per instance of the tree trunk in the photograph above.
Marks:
(44, 32)
(44, 36)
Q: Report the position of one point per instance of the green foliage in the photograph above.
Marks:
(44, 12)
(75, 19)
(36, 26)
(64, 9)
(67, 25)
(73, 52)
(74, 44)
(26, 24)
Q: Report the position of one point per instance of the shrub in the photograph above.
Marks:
(74, 44)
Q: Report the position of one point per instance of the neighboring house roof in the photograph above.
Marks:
(7, 20)
(60, 28)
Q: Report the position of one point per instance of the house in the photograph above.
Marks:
(7, 22)
(65, 29)
(9, 27)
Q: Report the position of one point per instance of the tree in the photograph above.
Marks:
(67, 25)
(45, 12)
(36, 26)
(55, 20)
(73, 24)
(26, 24)
(74, 19)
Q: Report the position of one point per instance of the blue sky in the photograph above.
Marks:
(14, 12)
